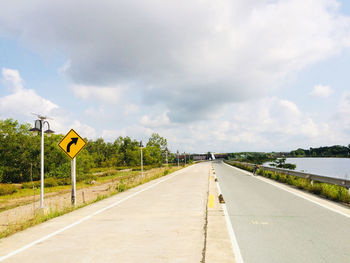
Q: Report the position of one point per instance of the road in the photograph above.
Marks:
(274, 225)
(161, 221)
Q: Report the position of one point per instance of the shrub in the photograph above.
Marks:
(28, 185)
(50, 182)
(7, 189)
(121, 187)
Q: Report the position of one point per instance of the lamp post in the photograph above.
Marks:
(178, 157)
(166, 156)
(38, 127)
(141, 146)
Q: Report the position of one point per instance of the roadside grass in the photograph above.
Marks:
(9, 191)
(126, 181)
(330, 191)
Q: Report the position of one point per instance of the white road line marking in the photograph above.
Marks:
(87, 217)
(234, 243)
(293, 192)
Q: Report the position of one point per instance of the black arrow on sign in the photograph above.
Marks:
(74, 140)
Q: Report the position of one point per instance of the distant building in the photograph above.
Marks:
(199, 157)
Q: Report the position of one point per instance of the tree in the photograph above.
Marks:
(281, 163)
(157, 141)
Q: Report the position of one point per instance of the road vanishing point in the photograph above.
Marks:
(177, 218)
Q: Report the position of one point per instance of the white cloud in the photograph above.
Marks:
(131, 108)
(12, 79)
(344, 104)
(105, 94)
(84, 130)
(192, 56)
(156, 122)
(22, 101)
(266, 124)
(111, 135)
(321, 91)
(65, 67)
(197, 72)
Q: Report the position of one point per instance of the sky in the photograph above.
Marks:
(219, 76)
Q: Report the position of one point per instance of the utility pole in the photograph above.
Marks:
(178, 157)
(39, 127)
(141, 159)
(166, 156)
(42, 170)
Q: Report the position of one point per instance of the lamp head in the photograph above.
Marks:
(37, 127)
(34, 131)
(49, 132)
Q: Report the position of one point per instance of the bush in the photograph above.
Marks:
(64, 181)
(90, 178)
(7, 189)
(50, 182)
(30, 184)
(121, 187)
(166, 172)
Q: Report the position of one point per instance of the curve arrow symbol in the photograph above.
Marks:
(74, 140)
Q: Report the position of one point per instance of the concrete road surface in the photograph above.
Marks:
(161, 221)
(273, 225)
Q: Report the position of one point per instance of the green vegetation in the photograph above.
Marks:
(254, 157)
(333, 192)
(20, 156)
(327, 151)
(262, 157)
(281, 163)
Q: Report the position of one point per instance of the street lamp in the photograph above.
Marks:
(141, 146)
(166, 156)
(38, 127)
(178, 157)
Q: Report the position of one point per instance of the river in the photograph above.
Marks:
(332, 167)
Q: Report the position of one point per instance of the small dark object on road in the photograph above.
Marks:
(216, 179)
(221, 199)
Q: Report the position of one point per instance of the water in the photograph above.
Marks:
(331, 167)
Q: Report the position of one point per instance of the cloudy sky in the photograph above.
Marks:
(222, 76)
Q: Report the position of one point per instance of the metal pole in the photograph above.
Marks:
(178, 157)
(141, 163)
(73, 178)
(42, 167)
(166, 157)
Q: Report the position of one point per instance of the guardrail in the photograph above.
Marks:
(311, 177)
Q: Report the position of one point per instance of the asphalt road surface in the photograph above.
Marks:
(273, 225)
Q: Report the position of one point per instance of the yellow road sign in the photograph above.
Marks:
(72, 144)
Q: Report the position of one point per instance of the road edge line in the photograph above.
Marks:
(17, 251)
(234, 243)
(301, 195)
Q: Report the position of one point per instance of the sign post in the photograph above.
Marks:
(71, 145)
(73, 175)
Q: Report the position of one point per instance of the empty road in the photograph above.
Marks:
(274, 225)
(161, 221)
